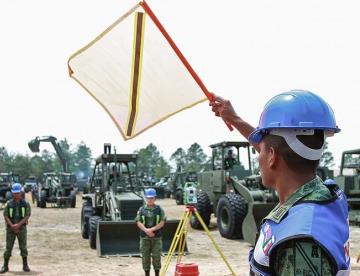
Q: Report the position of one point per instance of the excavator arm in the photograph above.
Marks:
(34, 146)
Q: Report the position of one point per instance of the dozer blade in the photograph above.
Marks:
(121, 238)
(251, 224)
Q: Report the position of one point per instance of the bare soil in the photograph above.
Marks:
(56, 247)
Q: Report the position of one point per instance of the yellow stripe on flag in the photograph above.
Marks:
(138, 45)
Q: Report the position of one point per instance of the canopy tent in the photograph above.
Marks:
(136, 73)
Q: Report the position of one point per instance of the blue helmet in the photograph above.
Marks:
(150, 193)
(296, 109)
(16, 188)
(329, 181)
(294, 113)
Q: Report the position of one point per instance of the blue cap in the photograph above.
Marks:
(150, 193)
(329, 181)
(16, 188)
(296, 109)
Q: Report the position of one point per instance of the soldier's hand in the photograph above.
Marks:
(150, 233)
(223, 108)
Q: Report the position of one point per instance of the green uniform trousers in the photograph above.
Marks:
(151, 247)
(10, 239)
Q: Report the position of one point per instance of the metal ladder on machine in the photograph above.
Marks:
(179, 239)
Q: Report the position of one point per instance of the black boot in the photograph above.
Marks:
(147, 272)
(25, 265)
(157, 272)
(5, 267)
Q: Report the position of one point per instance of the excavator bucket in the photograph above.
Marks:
(121, 238)
(256, 212)
(34, 145)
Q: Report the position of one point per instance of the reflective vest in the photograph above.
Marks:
(150, 218)
(325, 222)
(11, 208)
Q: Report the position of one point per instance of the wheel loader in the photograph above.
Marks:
(109, 209)
(233, 193)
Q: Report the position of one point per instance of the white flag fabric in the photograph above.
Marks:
(135, 74)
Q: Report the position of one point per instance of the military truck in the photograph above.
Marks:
(162, 187)
(179, 181)
(6, 181)
(324, 173)
(29, 183)
(109, 209)
(57, 188)
(349, 181)
(233, 193)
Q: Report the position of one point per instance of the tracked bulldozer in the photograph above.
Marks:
(233, 193)
(57, 188)
(349, 181)
(109, 209)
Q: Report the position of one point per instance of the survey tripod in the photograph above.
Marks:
(179, 240)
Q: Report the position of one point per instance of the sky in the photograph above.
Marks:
(244, 51)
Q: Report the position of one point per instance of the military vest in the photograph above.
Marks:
(150, 218)
(16, 212)
(324, 222)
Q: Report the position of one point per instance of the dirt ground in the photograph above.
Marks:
(56, 248)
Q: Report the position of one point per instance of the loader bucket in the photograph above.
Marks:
(121, 238)
(251, 225)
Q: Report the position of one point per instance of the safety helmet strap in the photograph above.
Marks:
(290, 136)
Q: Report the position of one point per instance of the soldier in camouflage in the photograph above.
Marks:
(229, 160)
(150, 219)
(16, 214)
(307, 233)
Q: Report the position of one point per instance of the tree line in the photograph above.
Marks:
(151, 163)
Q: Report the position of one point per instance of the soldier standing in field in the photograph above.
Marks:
(16, 214)
(150, 219)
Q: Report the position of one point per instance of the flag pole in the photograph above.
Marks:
(153, 17)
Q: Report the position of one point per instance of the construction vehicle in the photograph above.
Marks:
(109, 209)
(179, 181)
(324, 173)
(349, 181)
(233, 193)
(162, 187)
(29, 183)
(6, 181)
(57, 188)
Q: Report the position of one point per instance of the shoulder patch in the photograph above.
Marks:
(279, 213)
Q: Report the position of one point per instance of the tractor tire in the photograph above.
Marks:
(86, 213)
(42, 203)
(203, 207)
(93, 222)
(231, 211)
(37, 199)
(72, 199)
(8, 195)
(179, 197)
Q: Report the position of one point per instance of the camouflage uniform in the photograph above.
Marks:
(16, 212)
(151, 247)
(302, 256)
